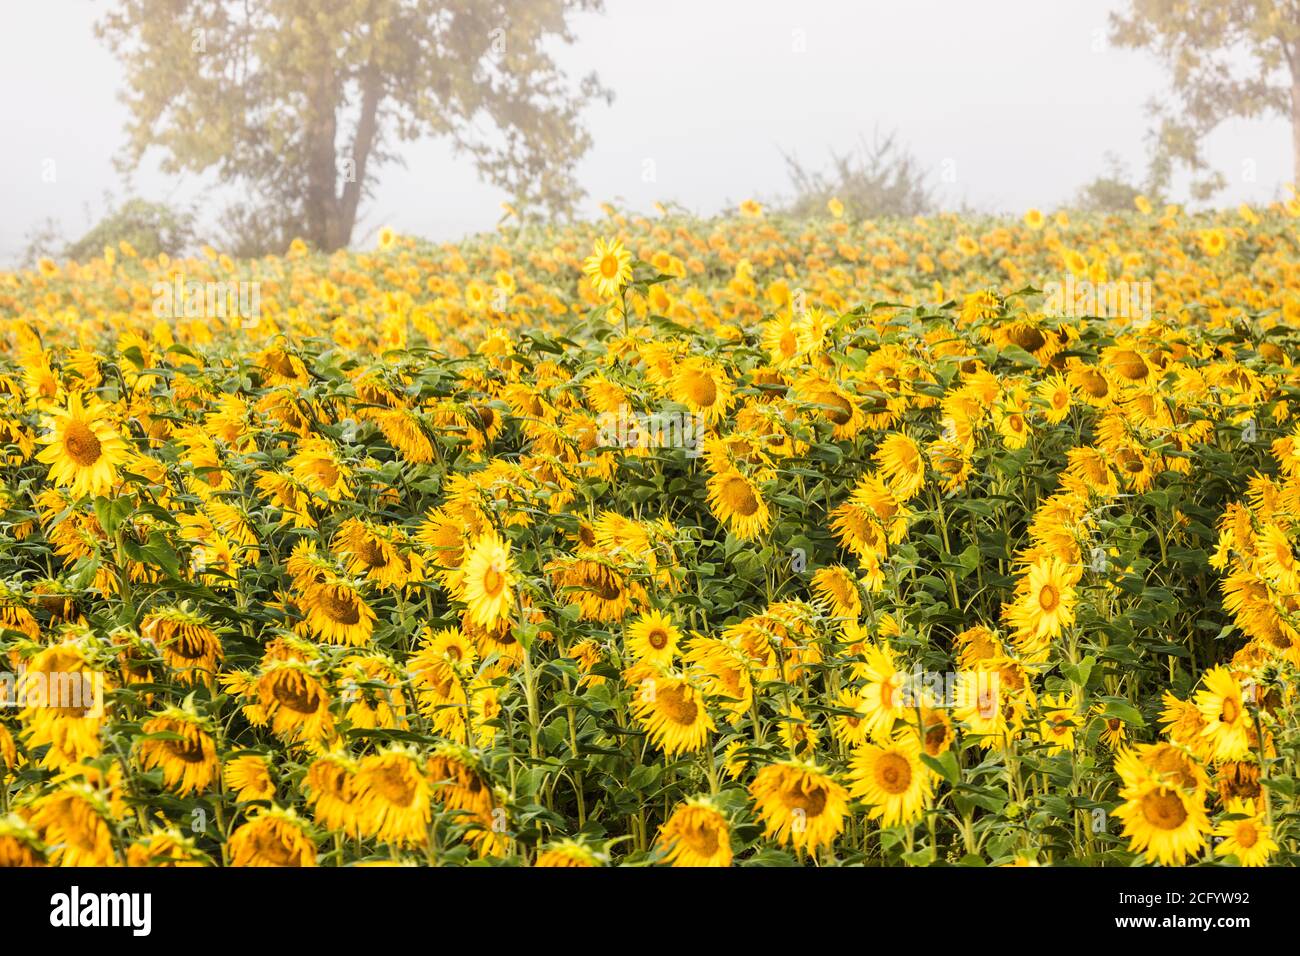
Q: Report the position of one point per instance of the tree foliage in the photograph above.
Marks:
(302, 103)
(1227, 59)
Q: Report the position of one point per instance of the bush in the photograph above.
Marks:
(876, 180)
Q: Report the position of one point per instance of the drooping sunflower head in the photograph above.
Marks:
(273, 837)
(696, 835)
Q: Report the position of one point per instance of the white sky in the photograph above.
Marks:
(1022, 99)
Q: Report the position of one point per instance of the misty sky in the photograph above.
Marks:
(1020, 98)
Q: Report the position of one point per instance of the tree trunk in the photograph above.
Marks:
(1295, 125)
(372, 94)
(320, 205)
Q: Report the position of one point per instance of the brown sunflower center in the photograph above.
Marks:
(740, 496)
(81, 444)
(1048, 597)
(1163, 809)
(677, 704)
(340, 606)
(493, 581)
(893, 773)
(657, 638)
(189, 750)
(294, 693)
(812, 802)
(393, 785)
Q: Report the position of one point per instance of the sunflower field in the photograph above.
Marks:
(660, 541)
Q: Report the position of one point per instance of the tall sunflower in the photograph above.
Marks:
(83, 447)
(609, 267)
(653, 638)
(1227, 722)
(800, 804)
(392, 797)
(1245, 834)
(892, 779)
(1165, 823)
(176, 742)
(738, 503)
(487, 581)
(673, 712)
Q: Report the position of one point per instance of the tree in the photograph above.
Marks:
(1111, 191)
(303, 102)
(876, 180)
(1228, 59)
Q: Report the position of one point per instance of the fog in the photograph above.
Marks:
(1010, 103)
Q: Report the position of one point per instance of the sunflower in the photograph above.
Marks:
(331, 792)
(609, 267)
(1165, 823)
(1060, 719)
(837, 406)
(1054, 392)
(273, 837)
(836, 587)
(797, 733)
(902, 465)
(703, 387)
(1248, 837)
(1165, 763)
(392, 797)
(892, 779)
(373, 551)
(602, 591)
(83, 448)
(294, 702)
(319, 468)
(337, 613)
(165, 848)
(1044, 605)
(73, 823)
(189, 645)
(176, 742)
(799, 804)
(249, 777)
(781, 341)
(19, 846)
(673, 713)
(568, 854)
(1227, 722)
(487, 581)
(737, 502)
(883, 695)
(653, 638)
(696, 835)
